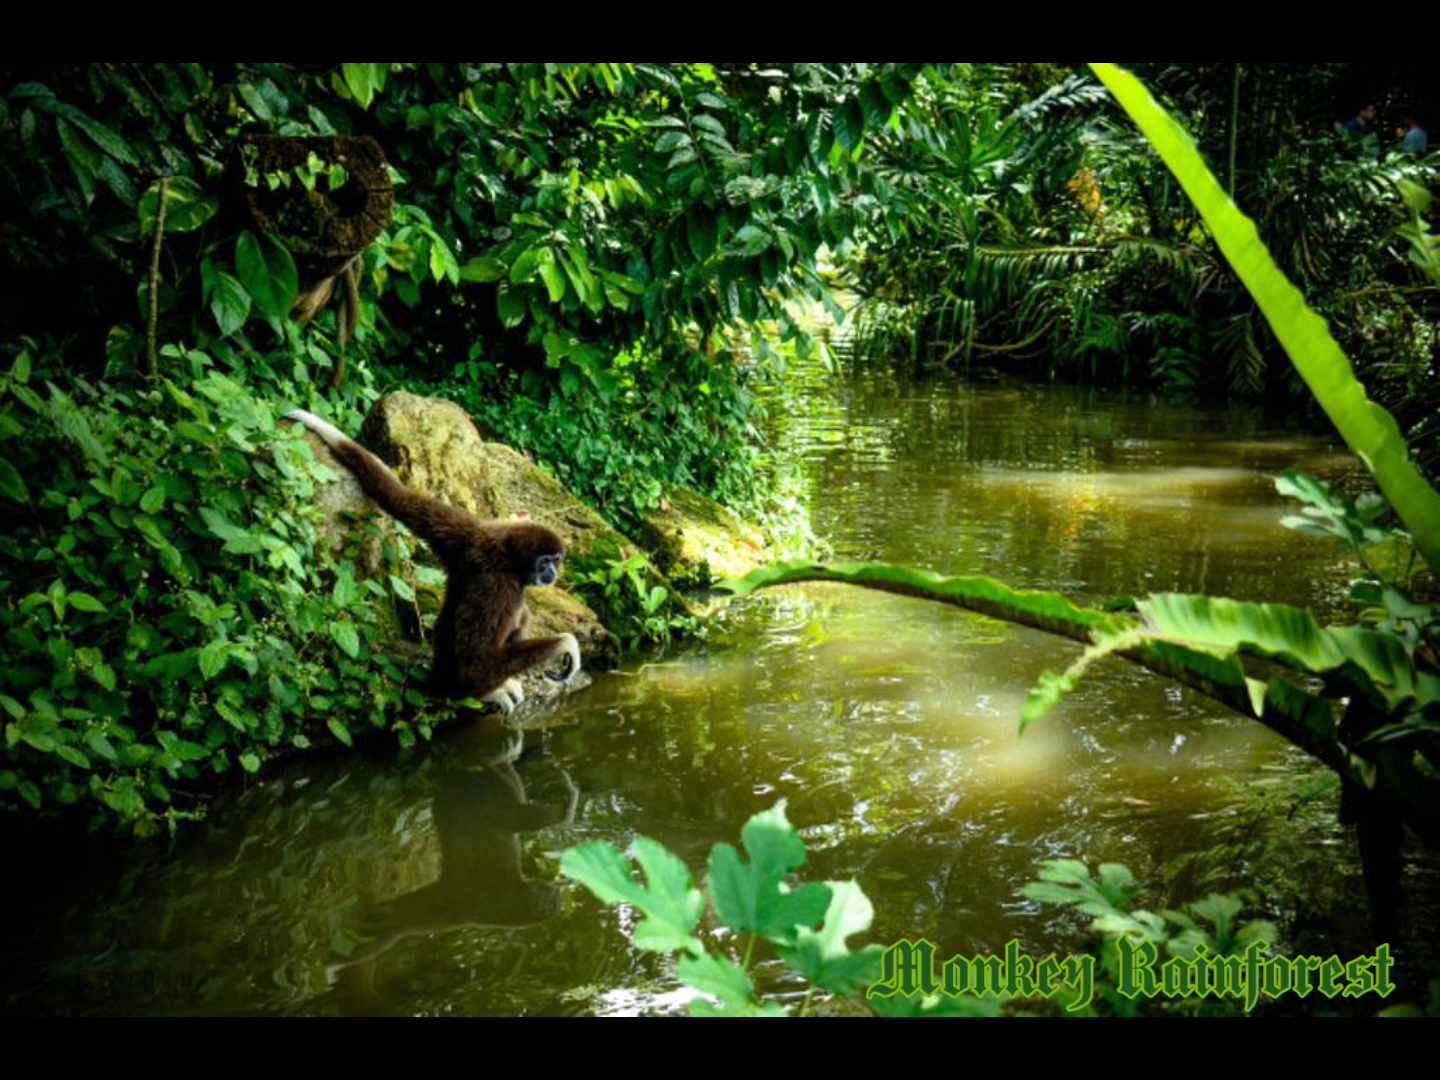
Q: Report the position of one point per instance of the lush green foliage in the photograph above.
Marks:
(1376, 725)
(638, 609)
(583, 255)
(580, 254)
(1368, 429)
(1043, 234)
(174, 612)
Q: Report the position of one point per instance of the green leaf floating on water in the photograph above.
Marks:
(749, 896)
(669, 900)
(1369, 430)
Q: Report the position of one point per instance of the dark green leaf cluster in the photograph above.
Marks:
(173, 612)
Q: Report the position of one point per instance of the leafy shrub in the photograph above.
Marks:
(633, 605)
(175, 611)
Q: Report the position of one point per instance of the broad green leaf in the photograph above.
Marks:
(528, 263)
(577, 268)
(101, 135)
(268, 273)
(442, 261)
(849, 121)
(401, 587)
(1210, 663)
(82, 601)
(1042, 610)
(604, 871)
(552, 275)
(824, 958)
(701, 231)
(672, 903)
(216, 521)
(748, 895)
(213, 658)
(512, 307)
(187, 207)
(346, 637)
(359, 81)
(752, 240)
(12, 484)
(1367, 427)
(482, 269)
(1069, 882)
(102, 746)
(669, 900)
(1372, 661)
(229, 303)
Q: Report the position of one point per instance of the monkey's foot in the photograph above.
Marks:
(501, 698)
(507, 695)
(570, 659)
(516, 691)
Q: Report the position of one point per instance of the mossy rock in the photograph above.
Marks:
(695, 541)
(435, 448)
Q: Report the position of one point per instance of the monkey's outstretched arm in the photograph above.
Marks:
(442, 526)
(483, 672)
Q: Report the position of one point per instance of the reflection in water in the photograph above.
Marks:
(428, 883)
(479, 812)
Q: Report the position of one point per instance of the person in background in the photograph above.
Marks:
(1414, 140)
(1363, 122)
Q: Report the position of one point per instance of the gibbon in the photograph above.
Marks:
(479, 642)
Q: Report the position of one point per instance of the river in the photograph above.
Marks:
(427, 882)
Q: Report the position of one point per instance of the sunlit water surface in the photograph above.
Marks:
(428, 883)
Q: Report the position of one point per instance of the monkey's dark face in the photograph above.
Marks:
(546, 571)
(535, 553)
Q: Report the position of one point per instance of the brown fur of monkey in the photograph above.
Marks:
(480, 647)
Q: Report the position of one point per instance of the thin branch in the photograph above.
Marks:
(155, 278)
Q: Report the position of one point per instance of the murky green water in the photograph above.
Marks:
(428, 883)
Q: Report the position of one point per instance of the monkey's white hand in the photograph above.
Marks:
(569, 651)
